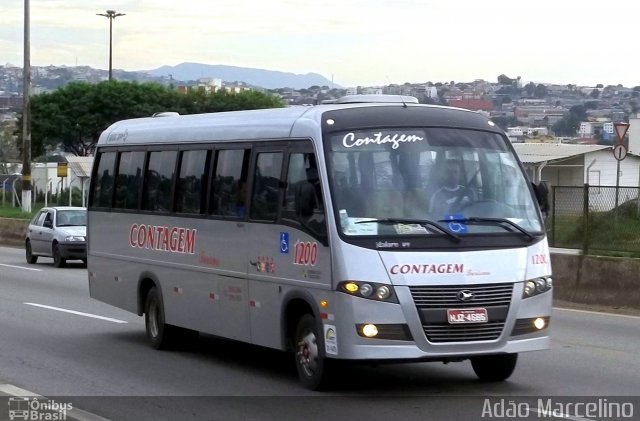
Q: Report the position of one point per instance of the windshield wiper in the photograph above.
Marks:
(491, 221)
(391, 221)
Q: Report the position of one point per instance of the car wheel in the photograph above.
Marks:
(58, 261)
(30, 257)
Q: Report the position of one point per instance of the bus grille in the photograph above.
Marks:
(433, 302)
(443, 332)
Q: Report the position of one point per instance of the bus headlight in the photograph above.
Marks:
(368, 290)
(383, 292)
(536, 286)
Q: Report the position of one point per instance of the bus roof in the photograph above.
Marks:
(273, 123)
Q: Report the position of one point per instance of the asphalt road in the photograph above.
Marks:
(105, 366)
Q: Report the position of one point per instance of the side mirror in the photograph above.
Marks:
(47, 224)
(542, 195)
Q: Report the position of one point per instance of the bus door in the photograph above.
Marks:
(263, 263)
(288, 234)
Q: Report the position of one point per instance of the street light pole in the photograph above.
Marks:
(111, 15)
(26, 114)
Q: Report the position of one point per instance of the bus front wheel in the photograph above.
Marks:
(494, 368)
(312, 366)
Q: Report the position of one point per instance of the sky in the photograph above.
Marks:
(352, 42)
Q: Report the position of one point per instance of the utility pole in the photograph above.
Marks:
(111, 15)
(26, 115)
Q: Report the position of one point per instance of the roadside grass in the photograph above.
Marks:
(11, 212)
(612, 233)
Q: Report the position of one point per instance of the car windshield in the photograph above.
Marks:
(402, 181)
(70, 218)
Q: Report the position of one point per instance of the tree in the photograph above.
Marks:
(9, 153)
(568, 125)
(505, 80)
(599, 85)
(504, 122)
(540, 91)
(530, 88)
(594, 94)
(74, 116)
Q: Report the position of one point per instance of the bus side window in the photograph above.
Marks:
(229, 184)
(266, 186)
(192, 181)
(129, 180)
(103, 181)
(302, 202)
(158, 181)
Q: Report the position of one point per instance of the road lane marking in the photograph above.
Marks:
(74, 414)
(12, 390)
(79, 313)
(563, 416)
(599, 313)
(20, 267)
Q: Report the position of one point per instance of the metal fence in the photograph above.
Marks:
(595, 218)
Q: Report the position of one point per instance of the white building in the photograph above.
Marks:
(576, 165)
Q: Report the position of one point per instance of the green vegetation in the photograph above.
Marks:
(612, 233)
(74, 116)
(8, 211)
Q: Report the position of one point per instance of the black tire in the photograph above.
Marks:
(160, 334)
(31, 259)
(494, 368)
(58, 261)
(314, 370)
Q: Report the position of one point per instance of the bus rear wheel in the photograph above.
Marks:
(494, 368)
(160, 334)
(314, 370)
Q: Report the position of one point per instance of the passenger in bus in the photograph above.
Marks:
(452, 196)
(241, 199)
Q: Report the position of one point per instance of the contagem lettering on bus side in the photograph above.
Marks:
(161, 238)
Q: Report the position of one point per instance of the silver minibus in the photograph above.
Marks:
(369, 229)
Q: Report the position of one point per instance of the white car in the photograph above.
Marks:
(58, 232)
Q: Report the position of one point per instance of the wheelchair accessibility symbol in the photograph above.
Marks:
(284, 242)
(455, 226)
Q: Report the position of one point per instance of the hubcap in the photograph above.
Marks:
(308, 353)
(153, 319)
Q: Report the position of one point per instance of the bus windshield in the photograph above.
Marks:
(412, 181)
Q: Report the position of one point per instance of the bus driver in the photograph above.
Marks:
(446, 200)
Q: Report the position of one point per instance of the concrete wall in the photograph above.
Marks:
(12, 231)
(607, 281)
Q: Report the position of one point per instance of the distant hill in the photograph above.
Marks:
(268, 79)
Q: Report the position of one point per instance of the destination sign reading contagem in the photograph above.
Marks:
(350, 140)
(161, 238)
